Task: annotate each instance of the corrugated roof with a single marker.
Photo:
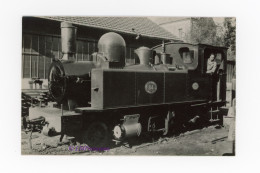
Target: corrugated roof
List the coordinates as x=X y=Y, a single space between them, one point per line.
x=142 y=25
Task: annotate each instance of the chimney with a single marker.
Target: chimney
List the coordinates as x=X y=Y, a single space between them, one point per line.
x=68 y=41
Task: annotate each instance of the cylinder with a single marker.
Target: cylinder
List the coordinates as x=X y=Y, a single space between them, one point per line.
x=127 y=130
x=132 y=130
x=68 y=40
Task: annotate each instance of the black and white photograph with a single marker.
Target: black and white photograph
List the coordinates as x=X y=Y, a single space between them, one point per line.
x=128 y=85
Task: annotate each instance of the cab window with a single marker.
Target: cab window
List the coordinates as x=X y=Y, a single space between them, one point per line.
x=187 y=55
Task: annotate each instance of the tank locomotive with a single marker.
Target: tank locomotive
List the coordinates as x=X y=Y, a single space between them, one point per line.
x=104 y=99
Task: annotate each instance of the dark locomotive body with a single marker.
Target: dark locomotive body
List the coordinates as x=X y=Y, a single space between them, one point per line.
x=110 y=100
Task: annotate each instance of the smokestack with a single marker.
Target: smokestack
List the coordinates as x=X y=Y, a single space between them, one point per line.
x=68 y=41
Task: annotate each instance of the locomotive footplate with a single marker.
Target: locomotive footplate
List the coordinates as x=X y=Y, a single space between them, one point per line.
x=218 y=103
x=173 y=104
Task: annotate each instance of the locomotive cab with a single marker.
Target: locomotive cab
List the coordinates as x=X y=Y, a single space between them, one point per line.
x=180 y=55
x=194 y=58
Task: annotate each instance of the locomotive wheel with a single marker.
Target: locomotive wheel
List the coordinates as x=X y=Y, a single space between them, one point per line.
x=96 y=135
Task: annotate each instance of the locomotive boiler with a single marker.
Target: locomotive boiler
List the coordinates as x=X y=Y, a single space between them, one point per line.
x=106 y=100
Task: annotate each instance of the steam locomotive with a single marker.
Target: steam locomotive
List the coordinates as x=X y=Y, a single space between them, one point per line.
x=104 y=99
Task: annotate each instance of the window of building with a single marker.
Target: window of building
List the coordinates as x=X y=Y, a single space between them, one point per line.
x=39 y=50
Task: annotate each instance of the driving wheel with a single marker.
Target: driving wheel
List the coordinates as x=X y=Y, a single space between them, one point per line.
x=96 y=135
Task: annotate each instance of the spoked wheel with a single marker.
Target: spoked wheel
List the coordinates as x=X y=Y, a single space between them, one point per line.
x=96 y=135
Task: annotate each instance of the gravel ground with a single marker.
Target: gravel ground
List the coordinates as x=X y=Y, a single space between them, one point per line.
x=191 y=143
